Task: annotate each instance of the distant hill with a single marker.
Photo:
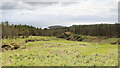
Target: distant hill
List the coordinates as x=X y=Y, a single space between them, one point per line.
x=56 y=27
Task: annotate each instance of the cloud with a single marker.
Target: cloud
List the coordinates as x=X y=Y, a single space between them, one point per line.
x=42 y=0
x=15 y=6
x=50 y=13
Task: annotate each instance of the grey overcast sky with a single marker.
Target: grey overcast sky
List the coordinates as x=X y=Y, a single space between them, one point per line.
x=70 y=12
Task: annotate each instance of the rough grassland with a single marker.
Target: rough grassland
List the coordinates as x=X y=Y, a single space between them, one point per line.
x=60 y=52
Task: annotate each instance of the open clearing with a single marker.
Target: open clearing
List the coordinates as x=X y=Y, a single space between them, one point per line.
x=52 y=51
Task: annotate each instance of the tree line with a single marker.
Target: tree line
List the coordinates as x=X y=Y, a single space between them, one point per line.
x=14 y=31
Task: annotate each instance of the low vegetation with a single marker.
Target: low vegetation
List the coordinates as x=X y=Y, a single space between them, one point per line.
x=52 y=51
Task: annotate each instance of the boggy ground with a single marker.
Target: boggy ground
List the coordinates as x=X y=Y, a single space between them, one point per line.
x=52 y=51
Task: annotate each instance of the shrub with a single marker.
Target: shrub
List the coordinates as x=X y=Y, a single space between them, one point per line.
x=81 y=38
x=76 y=37
x=73 y=37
